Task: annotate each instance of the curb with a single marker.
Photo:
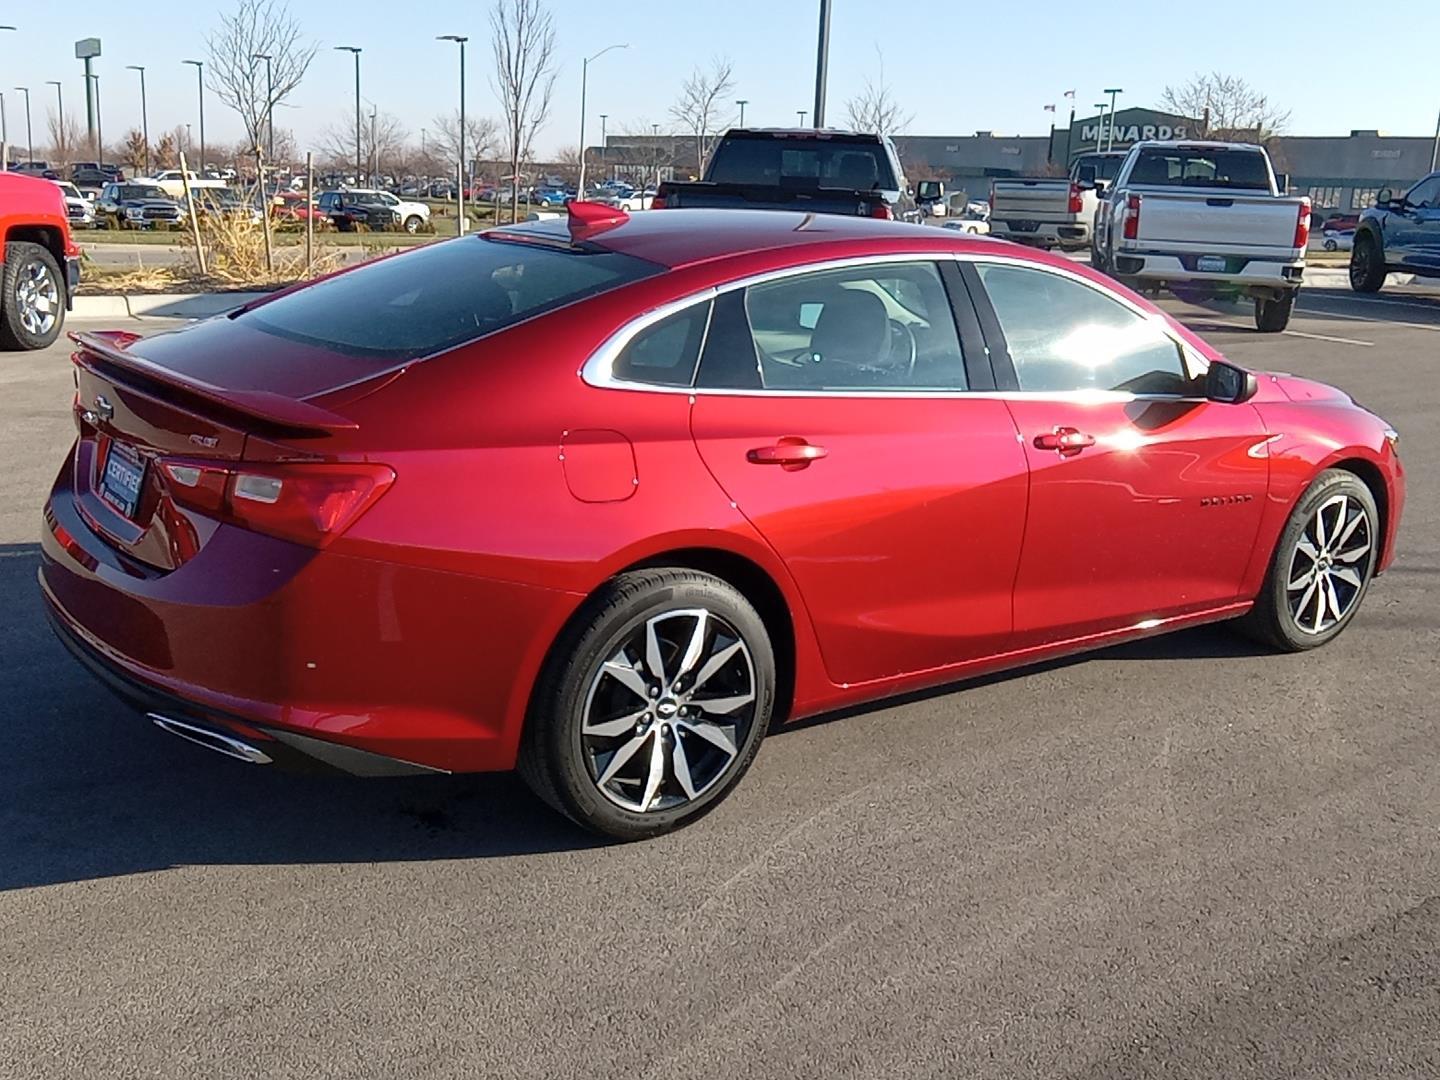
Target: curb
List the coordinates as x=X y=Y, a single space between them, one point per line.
x=159 y=305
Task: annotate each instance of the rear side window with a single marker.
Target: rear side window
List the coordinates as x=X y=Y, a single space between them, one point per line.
x=1202 y=167
x=443 y=295
x=665 y=353
x=1064 y=336
x=802 y=162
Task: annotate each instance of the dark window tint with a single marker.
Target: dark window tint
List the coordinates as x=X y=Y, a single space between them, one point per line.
x=803 y=162
x=1106 y=165
x=1063 y=335
x=1426 y=194
x=885 y=327
x=665 y=353
x=442 y=295
x=1200 y=167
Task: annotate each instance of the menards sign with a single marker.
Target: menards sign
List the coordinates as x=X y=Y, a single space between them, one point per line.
x=1132 y=125
x=1133 y=133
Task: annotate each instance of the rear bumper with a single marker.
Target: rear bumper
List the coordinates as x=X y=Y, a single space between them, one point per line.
x=1047 y=233
x=1242 y=272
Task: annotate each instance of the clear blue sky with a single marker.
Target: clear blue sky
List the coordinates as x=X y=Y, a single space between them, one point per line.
x=957 y=68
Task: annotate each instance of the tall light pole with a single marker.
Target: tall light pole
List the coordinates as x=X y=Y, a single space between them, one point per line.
x=99 y=125
x=29 y=138
x=144 y=114
x=584 y=77
x=200 y=84
x=356 y=51
x=269 y=106
x=4 y=131
x=1110 y=143
x=742 y=103
x=801 y=113
x=1100 y=127
x=822 y=64
x=1435 y=149
x=460 y=40
x=59 y=112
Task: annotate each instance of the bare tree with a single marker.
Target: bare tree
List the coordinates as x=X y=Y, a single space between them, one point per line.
x=167 y=150
x=67 y=138
x=481 y=138
x=132 y=149
x=1229 y=107
x=382 y=142
x=699 y=108
x=257 y=28
x=875 y=108
x=523 y=38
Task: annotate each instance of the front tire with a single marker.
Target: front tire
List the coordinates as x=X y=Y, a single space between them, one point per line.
x=412 y=224
x=652 y=705
x=1273 y=316
x=1367 y=264
x=32 y=297
x=1322 y=566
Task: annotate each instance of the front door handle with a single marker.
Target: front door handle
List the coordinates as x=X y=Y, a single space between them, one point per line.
x=1067 y=440
x=790 y=453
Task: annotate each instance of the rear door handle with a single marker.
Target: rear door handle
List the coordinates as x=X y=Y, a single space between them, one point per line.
x=1067 y=440
x=789 y=453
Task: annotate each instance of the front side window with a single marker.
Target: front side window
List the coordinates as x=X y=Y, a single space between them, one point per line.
x=1064 y=335
x=1425 y=195
x=882 y=327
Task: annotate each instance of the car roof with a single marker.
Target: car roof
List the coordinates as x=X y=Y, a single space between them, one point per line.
x=1196 y=144
x=679 y=238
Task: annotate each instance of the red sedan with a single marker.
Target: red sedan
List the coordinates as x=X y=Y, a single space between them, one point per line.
x=606 y=498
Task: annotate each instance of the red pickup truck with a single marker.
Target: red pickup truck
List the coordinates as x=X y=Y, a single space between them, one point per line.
x=39 y=262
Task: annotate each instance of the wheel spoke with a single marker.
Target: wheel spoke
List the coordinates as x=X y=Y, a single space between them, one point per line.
x=697 y=644
x=607 y=729
x=1307 y=548
x=722 y=706
x=652 y=651
x=681 y=764
x=1347 y=575
x=623 y=755
x=1319 y=607
x=1331 y=598
x=1354 y=555
x=1301 y=581
x=1349 y=531
x=1305 y=599
x=657 y=772
x=1320 y=528
x=712 y=733
x=626 y=675
x=714 y=664
x=1339 y=522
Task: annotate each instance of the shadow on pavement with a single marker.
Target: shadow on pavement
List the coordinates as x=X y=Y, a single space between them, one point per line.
x=90 y=789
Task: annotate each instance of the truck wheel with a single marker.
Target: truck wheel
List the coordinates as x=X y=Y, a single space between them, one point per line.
x=1272 y=316
x=1367 y=265
x=32 y=297
x=412 y=224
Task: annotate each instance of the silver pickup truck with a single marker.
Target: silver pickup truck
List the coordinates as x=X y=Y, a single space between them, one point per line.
x=1204 y=219
x=1052 y=211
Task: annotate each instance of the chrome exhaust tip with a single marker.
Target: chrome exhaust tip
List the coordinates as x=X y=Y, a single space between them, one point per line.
x=211 y=740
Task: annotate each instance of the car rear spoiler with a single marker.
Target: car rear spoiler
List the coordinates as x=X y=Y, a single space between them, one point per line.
x=272 y=410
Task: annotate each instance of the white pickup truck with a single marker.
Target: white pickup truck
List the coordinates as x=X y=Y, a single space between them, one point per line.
x=1204 y=219
x=1052 y=211
x=172 y=182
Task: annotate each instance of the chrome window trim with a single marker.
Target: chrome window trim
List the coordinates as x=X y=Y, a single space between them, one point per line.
x=598 y=368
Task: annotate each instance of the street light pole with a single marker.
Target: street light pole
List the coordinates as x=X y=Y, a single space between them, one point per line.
x=60 y=113
x=269 y=107
x=29 y=138
x=99 y=125
x=584 y=76
x=801 y=113
x=1435 y=149
x=1110 y=142
x=742 y=103
x=460 y=40
x=356 y=51
x=822 y=64
x=200 y=83
x=1100 y=127
x=144 y=114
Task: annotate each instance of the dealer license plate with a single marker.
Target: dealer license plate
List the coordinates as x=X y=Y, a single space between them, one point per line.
x=123 y=478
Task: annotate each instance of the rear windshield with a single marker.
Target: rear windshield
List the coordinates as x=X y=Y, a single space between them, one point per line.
x=1106 y=165
x=443 y=295
x=803 y=161
x=1202 y=167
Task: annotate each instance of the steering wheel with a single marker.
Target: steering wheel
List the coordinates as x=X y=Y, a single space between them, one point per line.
x=904 y=337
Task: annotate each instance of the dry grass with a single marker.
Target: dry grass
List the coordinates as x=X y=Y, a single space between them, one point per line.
x=234 y=248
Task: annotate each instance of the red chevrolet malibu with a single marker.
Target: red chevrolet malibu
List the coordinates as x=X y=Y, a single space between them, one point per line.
x=605 y=498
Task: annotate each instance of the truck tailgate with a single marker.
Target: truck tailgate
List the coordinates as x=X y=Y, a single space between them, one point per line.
x=1030 y=199
x=1218 y=219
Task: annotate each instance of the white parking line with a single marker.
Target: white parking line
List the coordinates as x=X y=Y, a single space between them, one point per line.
x=1327 y=337
x=1372 y=319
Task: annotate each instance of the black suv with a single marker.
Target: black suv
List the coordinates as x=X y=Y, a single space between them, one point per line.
x=349 y=209
x=137 y=206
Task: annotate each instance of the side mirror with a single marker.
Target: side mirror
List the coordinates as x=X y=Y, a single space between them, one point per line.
x=1229 y=384
x=1086 y=176
x=1384 y=197
x=929 y=191
x=1100 y=186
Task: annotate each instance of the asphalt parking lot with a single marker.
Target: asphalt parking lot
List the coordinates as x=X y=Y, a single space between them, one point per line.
x=1180 y=858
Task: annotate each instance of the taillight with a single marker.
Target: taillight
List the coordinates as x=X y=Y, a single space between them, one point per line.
x=1132 y=218
x=310 y=504
x=1302 y=226
x=658 y=203
x=882 y=211
x=1077 y=202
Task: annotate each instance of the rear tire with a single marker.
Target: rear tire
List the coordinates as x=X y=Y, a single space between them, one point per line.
x=1291 y=613
x=1367 y=264
x=1273 y=316
x=32 y=297
x=629 y=752
x=412 y=224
